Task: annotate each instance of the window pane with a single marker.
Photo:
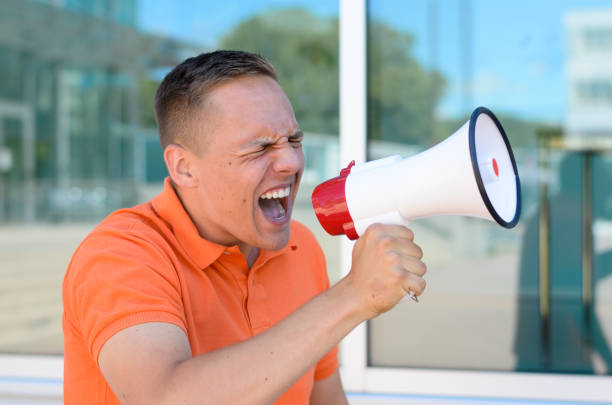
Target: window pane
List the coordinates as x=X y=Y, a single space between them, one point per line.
x=492 y=302
x=77 y=129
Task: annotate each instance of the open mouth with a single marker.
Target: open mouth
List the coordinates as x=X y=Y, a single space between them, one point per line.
x=274 y=203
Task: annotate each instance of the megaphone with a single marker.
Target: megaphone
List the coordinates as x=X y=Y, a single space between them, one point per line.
x=472 y=173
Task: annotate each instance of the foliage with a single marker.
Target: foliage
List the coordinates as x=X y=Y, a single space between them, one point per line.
x=521 y=133
x=402 y=94
x=304 y=50
x=147 y=89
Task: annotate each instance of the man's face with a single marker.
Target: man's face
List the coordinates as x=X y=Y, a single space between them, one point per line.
x=250 y=164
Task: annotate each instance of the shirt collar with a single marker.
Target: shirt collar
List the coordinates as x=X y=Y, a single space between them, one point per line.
x=204 y=252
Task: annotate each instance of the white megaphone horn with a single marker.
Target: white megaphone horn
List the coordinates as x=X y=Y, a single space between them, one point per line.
x=472 y=173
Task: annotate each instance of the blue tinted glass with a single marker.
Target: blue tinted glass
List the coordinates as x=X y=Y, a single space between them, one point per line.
x=78 y=136
x=537 y=297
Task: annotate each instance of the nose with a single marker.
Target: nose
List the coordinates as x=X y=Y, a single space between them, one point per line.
x=288 y=159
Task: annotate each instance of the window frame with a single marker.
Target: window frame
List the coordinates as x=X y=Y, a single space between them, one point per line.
x=31 y=376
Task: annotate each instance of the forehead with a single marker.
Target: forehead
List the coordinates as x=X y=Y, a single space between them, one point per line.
x=249 y=108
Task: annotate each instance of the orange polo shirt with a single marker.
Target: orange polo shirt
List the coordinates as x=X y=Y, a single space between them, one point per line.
x=149 y=264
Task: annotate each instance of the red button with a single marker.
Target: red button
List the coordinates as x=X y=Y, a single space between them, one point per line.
x=495 y=167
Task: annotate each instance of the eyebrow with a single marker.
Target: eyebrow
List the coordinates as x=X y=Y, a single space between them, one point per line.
x=262 y=140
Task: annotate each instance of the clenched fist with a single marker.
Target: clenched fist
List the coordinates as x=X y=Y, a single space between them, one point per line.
x=386 y=266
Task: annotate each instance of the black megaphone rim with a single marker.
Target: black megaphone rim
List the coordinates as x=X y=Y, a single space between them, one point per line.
x=481 y=188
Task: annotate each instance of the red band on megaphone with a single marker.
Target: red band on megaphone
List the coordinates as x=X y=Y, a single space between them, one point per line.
x=329 y=202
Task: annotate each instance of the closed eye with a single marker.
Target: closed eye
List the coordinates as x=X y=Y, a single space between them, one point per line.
x=261 y=145
x=296 y=140
x=262 y=148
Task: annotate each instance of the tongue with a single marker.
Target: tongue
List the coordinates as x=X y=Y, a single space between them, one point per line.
x=271 y=208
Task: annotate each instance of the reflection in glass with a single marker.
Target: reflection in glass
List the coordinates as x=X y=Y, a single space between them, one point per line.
x=78 y=137
x=570 y=338
x=486 y=307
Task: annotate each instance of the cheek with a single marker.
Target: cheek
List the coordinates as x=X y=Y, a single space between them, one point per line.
x=301 y=159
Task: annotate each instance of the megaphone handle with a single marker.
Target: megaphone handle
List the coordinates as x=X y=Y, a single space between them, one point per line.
x=391 y=218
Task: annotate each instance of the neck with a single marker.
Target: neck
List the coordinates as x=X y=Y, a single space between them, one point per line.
x=250 y=253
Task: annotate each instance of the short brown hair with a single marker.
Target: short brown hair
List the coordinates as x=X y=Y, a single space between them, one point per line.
x=186 y=85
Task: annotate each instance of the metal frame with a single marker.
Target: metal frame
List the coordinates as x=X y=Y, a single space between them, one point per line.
x=11 y=110
x=353 y=93
x=31 y=376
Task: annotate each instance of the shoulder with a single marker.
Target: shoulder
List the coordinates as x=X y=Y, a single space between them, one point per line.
x=126 y=228
x=128 y=238
x=125 y=258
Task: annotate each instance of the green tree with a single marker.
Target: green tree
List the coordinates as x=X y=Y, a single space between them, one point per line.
x=521 y=133
x=402 y=95
x=304 y=50
x=146 y=93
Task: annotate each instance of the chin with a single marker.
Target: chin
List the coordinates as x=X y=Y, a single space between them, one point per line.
x=277 y=242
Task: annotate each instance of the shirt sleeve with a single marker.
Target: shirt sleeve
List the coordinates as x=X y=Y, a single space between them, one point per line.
x=118 y=280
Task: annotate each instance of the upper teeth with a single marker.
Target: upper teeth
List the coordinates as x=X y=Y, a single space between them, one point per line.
x=280 y=193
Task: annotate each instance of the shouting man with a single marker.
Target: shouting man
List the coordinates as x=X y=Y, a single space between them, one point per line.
x=209 y=293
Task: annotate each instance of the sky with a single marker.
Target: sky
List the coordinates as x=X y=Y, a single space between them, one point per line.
x=513 y=60
x=517 y=51
x=203 y=22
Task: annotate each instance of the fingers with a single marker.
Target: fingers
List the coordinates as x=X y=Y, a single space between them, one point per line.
x=386 y=266
x=409 y=249
x=404 y=262
x=413 y=265
x=396 y=238
x=385 y=235
x=411 y=271
x=413 y=283
x=395 y=231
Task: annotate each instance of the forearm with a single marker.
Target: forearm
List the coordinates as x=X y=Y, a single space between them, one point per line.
x=260 y=369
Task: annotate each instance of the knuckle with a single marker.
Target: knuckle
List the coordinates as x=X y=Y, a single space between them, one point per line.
x=409 y=233
x=391 y=257
x=374 y=229
x=398 y=275
x=372 y=233
x=385 y=241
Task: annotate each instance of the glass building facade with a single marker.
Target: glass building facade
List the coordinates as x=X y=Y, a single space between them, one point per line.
x=78 y=137
x=535 y=298
x=78 y=140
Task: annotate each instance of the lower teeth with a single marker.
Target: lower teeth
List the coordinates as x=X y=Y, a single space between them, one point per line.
x=280 y=208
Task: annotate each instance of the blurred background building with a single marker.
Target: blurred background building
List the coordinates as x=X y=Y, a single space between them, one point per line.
x=504 y=310
x=589 y=72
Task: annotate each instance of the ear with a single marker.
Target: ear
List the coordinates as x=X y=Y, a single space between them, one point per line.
x=179 y=162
